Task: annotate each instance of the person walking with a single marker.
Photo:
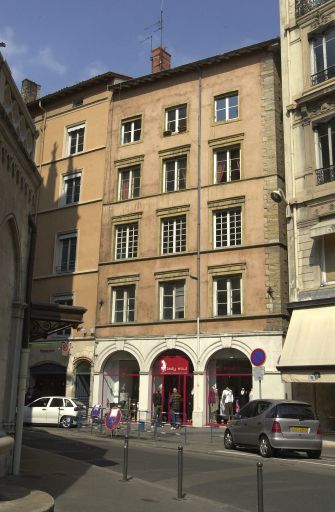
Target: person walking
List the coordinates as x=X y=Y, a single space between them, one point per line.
x=175 y=403
x=157 y=403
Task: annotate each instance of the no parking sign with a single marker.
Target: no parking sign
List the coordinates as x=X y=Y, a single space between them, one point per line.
x=113 y=418
x=258 y=357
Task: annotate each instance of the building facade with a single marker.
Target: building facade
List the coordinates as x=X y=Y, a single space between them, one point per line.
x=308 y=64
x=192 y=267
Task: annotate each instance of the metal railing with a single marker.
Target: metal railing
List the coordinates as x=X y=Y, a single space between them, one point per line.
x=304 y=6
x=323 y=75
x=325 y=175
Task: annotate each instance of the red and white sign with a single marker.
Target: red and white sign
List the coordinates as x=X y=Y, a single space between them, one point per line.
x=65 y=348
x=171 y=365
x=113 y=418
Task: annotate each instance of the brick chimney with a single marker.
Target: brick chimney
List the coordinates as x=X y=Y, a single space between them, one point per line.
x=160 y=60
x=30 y=90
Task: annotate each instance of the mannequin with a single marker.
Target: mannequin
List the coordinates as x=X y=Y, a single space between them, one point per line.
x=213 y=402
x=226 y=405
x=243 y=398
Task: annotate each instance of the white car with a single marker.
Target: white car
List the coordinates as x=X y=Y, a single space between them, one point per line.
x=54 y=410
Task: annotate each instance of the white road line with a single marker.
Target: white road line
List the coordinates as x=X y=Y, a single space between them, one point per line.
x=290 y=461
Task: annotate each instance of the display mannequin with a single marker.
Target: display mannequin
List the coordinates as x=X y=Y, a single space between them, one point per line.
x=213 y=402
x=226 y=404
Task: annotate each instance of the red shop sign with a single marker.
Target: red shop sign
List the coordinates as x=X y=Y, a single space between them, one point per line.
x=173 y=365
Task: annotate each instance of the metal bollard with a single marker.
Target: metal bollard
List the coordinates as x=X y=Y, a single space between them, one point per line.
x=185 y=434
x=180 y=472
x=125 y=459
x=260 y=486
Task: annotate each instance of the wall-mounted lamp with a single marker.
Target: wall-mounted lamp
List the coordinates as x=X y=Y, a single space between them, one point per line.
x=278 y=196
x=82 y=330
x=101 y=302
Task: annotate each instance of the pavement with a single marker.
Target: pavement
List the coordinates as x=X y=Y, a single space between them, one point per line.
x=79 y=485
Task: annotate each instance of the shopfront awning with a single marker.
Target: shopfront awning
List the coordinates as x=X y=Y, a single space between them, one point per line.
x=325 y=227
x=309 y=350
x=48 y=318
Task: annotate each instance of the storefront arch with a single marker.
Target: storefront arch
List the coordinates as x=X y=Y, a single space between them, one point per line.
x=83 y=380
x=229 y=382
x=173 y=369
x=121 y=383
x=47 y=379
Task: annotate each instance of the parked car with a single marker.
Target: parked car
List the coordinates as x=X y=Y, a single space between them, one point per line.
x=54 y=410
x=271 y=425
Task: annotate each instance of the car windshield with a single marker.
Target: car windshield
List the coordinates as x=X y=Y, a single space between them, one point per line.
x=301 y=411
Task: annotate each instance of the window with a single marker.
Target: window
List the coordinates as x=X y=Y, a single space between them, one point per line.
x=323 y=56
x=227 y=228
x=75 y=139
x=123 y=304
x=227 y=296
x=174 y=235
x=227 y=165
x=66 y=257
x=174 y=174
x=126 y=241
x=71 y=188
x=226 y=107
x=172 y=300
x=129 y=183
x=131 y=130
x=328 y=250
x=176 y=119
x=325 y=153
x=56 y=402
x=65 y=300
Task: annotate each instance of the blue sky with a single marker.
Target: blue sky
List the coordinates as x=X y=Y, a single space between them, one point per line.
x=60 y=43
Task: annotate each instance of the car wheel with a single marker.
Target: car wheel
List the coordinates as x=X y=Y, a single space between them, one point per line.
x=228 y=440
x=313 y=454
x=265 y=448
x=65 y=422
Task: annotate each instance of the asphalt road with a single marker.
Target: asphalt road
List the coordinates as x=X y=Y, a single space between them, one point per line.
x=291 y=483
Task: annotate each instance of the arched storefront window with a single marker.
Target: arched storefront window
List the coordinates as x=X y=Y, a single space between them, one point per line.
x=229 y=382
x=173 y=369
x=82 y=382
x=121 y=383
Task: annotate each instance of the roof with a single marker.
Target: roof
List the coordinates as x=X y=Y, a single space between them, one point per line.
x=78 y=87
x=269 y=45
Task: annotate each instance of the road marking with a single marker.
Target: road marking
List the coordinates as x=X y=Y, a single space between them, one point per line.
x=322 y=462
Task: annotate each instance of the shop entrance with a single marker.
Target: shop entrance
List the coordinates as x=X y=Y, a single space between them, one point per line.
x=174 y=370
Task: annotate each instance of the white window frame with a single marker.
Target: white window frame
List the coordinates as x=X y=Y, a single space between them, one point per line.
x=174 y=284
x=324 y=281
x=177 y=170
x=59 y=251
x=125 y=302
x=70 y=130
x=66 y=179
x=229 y=295
x=131 y=240
x=132 y=130
x=175 y=242
x=226 y=98
x=177 y=119
x=229 y=171
x=63 y=299
x=232 y=236
x=131 y=170
x=324 y=52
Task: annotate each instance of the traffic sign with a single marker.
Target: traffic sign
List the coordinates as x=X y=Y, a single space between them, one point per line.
x=258 y=372
x=258 y=357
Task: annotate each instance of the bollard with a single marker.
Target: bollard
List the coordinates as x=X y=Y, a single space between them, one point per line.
x=125 y=459
x=180 y=472
x=185 y=434
x=260 y=486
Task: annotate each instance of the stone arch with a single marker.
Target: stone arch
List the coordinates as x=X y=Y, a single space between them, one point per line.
x=9 y=231
x=221 y=343
x=108 y=351
x=163 y=346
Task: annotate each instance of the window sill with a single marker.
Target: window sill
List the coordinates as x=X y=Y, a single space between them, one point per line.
x=126 y=144
x=228 y=121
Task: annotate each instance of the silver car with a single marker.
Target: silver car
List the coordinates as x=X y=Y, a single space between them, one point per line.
x=270 y=425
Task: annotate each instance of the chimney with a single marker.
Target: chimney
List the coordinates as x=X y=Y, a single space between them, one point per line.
x=160 y=60
x=30 y=90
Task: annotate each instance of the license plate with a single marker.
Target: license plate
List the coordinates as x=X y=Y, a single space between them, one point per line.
x=299 y=429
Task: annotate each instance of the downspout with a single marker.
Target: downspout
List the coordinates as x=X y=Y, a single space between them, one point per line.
x=41 y=151
x=24 y=359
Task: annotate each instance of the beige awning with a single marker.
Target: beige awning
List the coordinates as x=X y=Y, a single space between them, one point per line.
x=325 y=227
x=309 y=348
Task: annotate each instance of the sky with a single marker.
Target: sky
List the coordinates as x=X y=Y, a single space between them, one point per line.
x=57 y=44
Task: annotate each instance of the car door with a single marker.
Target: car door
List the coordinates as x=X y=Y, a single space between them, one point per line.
x=55 y=410
x=36 y=412
x=255 y=423
x=240 y=424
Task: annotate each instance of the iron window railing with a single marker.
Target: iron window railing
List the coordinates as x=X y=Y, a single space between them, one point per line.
x=325 y=175
x=323 y=75
x=304 y=6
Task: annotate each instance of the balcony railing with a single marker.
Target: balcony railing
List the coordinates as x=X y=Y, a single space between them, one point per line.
x=323 y=75
x=304 y=6
x=325 y=175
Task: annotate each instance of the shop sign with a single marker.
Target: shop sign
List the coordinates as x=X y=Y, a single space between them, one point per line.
x=43 y=350
x=170 y=365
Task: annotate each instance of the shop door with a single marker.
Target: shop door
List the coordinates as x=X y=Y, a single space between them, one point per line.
x=184 y=385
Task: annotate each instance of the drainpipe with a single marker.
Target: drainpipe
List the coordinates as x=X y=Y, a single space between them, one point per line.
x=24 y=358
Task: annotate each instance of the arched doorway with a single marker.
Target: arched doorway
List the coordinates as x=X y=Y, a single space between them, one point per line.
x=173 y=369
x=82 y=382
x=229 y=382
x=48 y=379
x=121 y=383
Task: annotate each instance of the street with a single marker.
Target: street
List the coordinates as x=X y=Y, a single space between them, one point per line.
x=211 y=473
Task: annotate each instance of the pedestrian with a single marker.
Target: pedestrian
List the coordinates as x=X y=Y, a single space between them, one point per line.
x=157 y=403
x=175 y=404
